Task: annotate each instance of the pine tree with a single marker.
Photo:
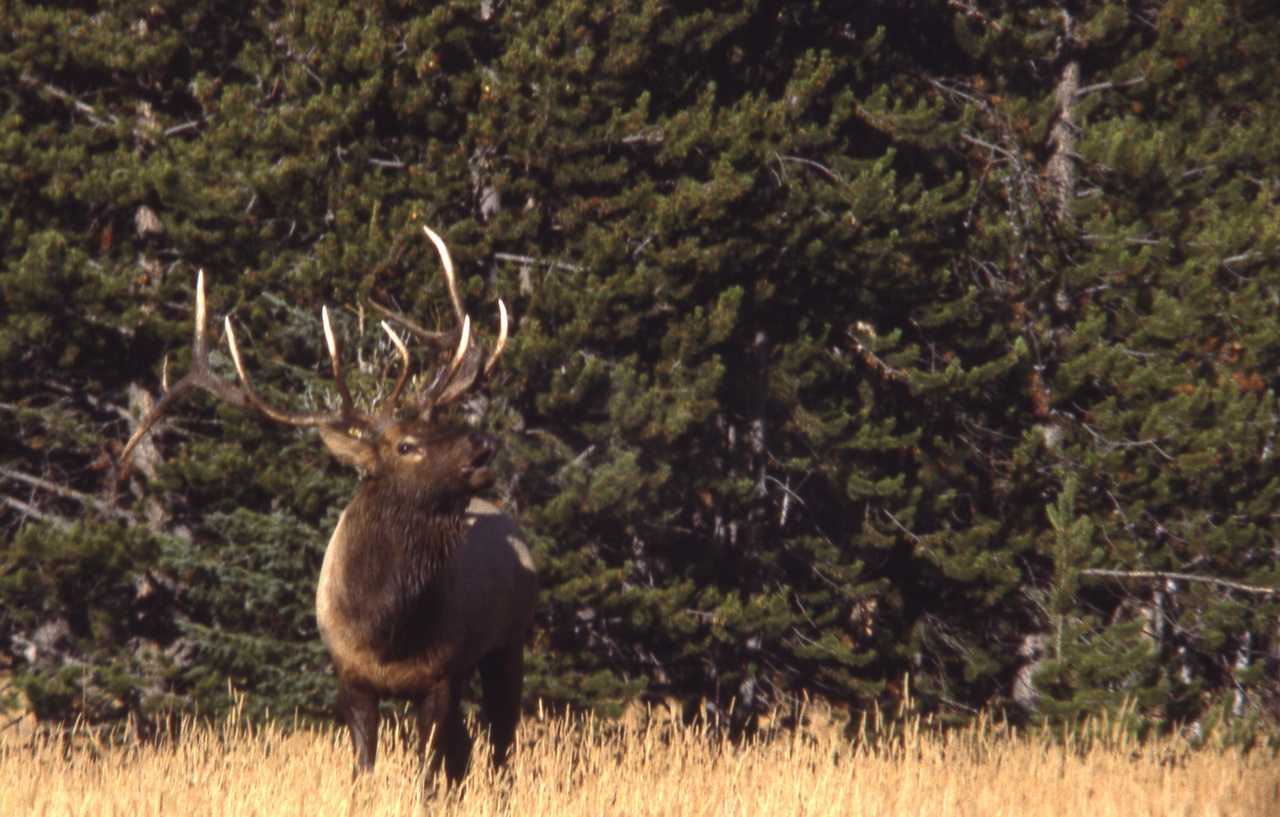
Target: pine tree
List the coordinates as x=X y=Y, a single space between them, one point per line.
x=1112 y=166
x=1090 y=664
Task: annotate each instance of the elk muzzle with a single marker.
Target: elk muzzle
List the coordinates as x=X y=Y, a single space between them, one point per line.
x=479 y=474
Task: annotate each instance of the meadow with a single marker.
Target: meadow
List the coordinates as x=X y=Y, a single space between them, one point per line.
x=648 y=766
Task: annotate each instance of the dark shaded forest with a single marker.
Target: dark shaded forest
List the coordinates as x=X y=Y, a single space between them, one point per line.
x=864 y=351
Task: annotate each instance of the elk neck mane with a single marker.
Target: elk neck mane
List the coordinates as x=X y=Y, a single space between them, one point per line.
x=406 y=540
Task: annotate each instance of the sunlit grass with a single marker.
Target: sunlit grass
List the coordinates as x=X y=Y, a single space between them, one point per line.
x=646 y=766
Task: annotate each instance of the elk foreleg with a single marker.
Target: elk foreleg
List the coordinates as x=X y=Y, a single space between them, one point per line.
x=360 y=710
x=442 y=733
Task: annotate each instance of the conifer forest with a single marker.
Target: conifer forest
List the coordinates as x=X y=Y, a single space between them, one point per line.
x=901 y=354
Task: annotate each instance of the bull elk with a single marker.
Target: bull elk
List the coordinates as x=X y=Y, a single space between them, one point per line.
x=422 y=582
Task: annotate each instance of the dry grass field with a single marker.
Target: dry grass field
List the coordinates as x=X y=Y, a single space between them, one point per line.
x=646 y=766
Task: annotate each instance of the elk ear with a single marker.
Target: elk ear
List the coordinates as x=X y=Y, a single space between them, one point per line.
x=349 y=450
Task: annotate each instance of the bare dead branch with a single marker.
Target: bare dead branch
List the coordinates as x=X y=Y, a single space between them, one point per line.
x=66 y=493
x=530 y=261
x=821 y=168
x=82 y=108
x=37 y=514
x=1166 y=575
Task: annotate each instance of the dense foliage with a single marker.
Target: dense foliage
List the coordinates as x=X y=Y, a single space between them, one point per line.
x=858 y=344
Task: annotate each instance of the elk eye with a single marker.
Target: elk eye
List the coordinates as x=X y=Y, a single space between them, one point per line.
x=403 y=449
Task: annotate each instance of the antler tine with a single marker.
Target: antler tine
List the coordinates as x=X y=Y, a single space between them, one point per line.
x=445 y=375
x=348 y=405
x=437 y=341
x=464 y=367
x=201 y=341
x=394 y=399
x=502 y=339
x=447 y=261
x=244 y=395
x=301 y=419
x=201 y=376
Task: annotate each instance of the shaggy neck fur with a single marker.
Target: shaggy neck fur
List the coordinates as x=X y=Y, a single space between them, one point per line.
x=398 y=544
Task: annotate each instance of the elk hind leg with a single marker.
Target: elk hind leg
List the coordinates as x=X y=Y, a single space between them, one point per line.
x=502 y=681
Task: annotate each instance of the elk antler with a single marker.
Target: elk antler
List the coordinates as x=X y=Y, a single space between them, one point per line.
x=347 y=415
x=464 y=370
x=450 y=382
x=203 y=376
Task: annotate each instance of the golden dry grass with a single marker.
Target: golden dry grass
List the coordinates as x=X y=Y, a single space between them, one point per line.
x=648 y=767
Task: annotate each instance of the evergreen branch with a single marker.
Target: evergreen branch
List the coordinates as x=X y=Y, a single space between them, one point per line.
x=971 y=10
x=1255 y=589
x=869 y=357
